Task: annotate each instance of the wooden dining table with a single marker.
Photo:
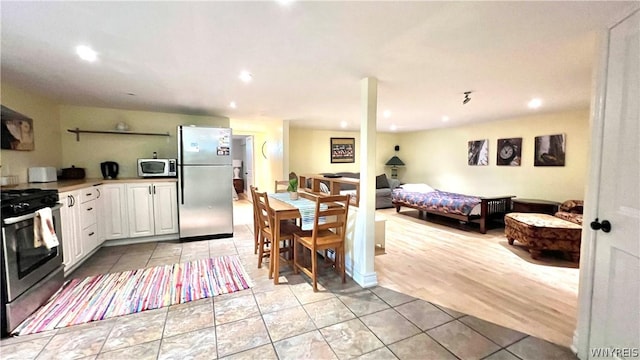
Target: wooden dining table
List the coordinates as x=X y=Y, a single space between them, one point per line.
x=284 y=209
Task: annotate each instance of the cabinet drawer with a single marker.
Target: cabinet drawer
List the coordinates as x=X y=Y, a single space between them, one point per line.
x=88 y=194
x=88 y=214
x=90 y=235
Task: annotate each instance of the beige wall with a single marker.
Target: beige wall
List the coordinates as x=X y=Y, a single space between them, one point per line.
x=439 y=158
x=92 y=149
x=309 y=151
x=46 y=130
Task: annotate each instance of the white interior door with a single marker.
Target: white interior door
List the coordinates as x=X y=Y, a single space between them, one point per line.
x=248 y=161
x=615 y=306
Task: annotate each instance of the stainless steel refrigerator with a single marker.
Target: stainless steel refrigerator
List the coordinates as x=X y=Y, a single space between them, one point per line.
x=205 y=182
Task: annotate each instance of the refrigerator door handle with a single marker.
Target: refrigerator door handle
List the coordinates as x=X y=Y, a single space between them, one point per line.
x=182 y=185
x=181 y=175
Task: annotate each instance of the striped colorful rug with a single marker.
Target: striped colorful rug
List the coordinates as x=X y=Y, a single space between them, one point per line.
x=109 y=295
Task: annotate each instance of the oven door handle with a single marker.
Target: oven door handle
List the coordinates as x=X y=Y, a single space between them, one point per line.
x=17 y=219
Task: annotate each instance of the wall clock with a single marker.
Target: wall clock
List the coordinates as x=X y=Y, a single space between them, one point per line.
x=509 y=151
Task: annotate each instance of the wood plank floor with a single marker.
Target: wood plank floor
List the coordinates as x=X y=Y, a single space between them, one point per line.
x=480 y=275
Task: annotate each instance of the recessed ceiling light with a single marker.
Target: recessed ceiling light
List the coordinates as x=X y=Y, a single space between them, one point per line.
x=232 y=105
x=393 y=127
x=284 y=2
x=86 y=53
x=386 y=113
x=445 y=118
x=245 y=76
x=535 y=103
x=343 y=124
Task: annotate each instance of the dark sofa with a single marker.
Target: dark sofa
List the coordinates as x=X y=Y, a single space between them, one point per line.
x=384 y=185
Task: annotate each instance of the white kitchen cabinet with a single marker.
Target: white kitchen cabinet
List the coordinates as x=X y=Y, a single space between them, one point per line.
x=152 y=208
x=114 y=218
x=72 y=247
x=100 y=214
x=89 y=219
x=165 y=208
x=140 y=207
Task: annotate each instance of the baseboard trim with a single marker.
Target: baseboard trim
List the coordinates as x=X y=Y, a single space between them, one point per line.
x=365 y=280
x=140 y=240
x=574 y=344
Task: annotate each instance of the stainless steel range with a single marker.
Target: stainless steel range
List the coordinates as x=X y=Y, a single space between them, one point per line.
x=30 y=274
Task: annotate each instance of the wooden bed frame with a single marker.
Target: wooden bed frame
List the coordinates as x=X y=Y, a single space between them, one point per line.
x=490 y=208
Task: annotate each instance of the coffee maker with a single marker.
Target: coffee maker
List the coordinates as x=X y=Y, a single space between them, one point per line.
x=109 y=170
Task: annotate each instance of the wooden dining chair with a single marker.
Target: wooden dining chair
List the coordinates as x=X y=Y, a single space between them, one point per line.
x=329 y=230
x=262 y=219
x=267 y=246
x=256 y=219
x=281 y=186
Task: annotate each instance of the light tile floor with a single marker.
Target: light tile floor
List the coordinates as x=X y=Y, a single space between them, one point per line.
x=286 y=321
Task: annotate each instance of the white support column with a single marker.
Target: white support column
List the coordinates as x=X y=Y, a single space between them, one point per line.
x=363 y=246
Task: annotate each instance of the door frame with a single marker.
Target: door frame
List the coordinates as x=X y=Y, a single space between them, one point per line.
x=250 y=154
x=246 y=154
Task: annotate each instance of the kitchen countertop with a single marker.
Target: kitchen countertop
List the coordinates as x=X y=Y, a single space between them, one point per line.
x=70 y=185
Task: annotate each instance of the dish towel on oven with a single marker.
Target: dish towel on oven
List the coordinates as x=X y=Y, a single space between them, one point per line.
x=43 y=231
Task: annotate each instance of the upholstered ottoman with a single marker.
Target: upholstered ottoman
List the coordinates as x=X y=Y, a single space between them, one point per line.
x=543 y=232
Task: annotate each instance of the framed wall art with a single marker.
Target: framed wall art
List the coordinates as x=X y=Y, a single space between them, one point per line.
x=509 y=152
x=343 y=150
x=478 y=152
x=17 y=130
x=550 y=150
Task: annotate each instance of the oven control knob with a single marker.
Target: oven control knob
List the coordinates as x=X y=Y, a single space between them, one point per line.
x=49 y=200
x=19 y=207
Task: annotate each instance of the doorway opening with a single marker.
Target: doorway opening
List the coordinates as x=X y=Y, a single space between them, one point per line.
x=243 y=165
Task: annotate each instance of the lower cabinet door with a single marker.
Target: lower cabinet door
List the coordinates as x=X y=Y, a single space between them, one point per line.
x=165 y=208
x=115 y=221
x=72 y=246
x=140 y=209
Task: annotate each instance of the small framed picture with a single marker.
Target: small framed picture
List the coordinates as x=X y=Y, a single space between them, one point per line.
x=550 y=150
x=343 y=150
x=17 y=131
x=478 y=152
x=509 y=152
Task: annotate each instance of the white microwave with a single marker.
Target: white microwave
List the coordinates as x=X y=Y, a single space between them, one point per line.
x=157 y=167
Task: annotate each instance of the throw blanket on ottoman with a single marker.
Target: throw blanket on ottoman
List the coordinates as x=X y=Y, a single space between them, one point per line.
x=543 y=232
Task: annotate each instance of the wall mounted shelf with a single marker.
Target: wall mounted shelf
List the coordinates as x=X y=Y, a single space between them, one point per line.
x=115 y=132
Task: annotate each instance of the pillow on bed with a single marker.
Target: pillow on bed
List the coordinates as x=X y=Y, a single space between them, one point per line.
x=324 y=188
x=421 y=188
x=381 y=181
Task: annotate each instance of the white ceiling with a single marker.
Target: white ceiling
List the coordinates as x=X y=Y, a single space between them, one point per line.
x=308 y=58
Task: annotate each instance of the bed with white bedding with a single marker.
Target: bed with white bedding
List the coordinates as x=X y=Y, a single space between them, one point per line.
x=453 y=205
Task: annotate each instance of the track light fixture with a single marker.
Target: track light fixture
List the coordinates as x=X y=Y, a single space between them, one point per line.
x=466 y=97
